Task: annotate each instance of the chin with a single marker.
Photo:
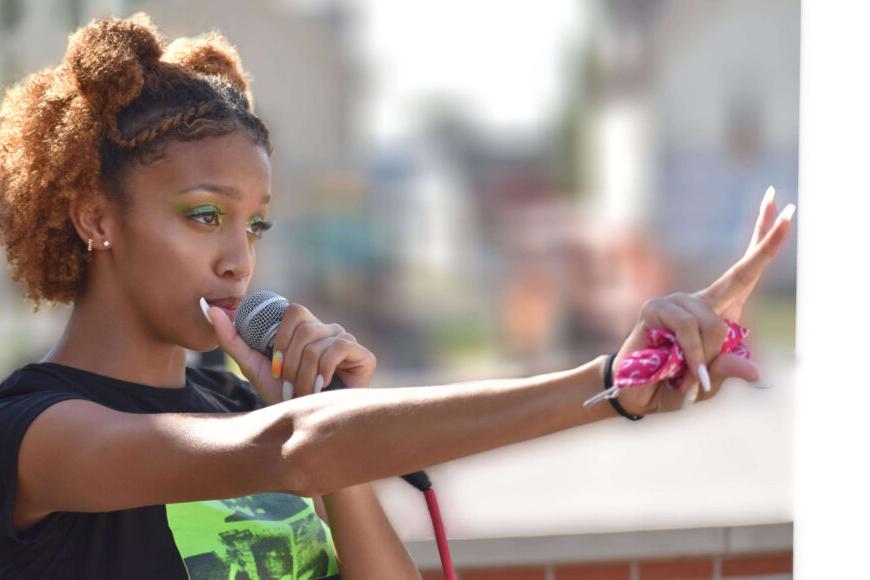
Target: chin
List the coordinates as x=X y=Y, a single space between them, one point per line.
x=201 y=342
x=204 y=346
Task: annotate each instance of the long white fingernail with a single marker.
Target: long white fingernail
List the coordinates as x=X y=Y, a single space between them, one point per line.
x=318 y=383
x=787 y=212
x=759 y=384
x=204 y=306
x=768 y=196
x=691 y=395
x=704 y=376
x=287 y=391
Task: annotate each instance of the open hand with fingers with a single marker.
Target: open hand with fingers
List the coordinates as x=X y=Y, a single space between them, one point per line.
x=698 y=321
x=307 y=353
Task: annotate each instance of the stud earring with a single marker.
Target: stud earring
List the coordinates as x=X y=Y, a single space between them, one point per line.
x=106 y=243
x=90 y=245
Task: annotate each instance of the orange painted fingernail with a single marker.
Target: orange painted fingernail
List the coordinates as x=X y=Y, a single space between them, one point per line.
x=277 y=363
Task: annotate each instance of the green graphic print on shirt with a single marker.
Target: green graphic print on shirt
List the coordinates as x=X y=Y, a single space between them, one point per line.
x=256 y=537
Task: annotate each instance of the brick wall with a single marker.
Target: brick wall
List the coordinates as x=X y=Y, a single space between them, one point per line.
x=760 y=566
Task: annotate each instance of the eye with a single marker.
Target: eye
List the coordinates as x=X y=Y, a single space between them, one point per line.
x=210 y=215
x=257 y=227
x=210 y=218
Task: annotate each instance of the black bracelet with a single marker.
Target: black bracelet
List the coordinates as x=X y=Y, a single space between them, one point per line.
x=608 y=382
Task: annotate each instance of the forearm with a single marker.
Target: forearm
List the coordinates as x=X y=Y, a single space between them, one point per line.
x=365 y=542
x=351 y=436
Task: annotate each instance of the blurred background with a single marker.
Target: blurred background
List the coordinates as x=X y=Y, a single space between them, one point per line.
x=489 y=189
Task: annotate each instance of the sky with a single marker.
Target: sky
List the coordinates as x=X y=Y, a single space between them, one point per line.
x=504 y=61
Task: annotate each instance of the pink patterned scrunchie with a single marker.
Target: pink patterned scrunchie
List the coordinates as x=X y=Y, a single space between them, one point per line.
x=664 y=360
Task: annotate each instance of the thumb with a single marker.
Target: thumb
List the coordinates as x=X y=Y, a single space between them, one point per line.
x=732 y=365
x=231 y=341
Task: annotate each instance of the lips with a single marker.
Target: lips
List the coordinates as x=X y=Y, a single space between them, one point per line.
x=228 y=305
x=231 y=312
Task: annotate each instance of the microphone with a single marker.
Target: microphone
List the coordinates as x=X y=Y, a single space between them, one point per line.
x=257 y=319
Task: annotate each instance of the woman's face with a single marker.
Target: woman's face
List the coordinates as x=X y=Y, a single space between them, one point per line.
x=191 y=231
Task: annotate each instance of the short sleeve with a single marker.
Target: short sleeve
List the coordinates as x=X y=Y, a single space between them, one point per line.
x=17 y=412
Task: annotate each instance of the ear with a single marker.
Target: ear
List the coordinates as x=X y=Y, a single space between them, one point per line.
x=94 y=218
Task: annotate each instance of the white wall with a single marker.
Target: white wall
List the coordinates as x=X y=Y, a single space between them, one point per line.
x=832 y=506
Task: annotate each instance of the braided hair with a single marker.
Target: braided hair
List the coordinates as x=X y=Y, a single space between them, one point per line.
x=71 y=131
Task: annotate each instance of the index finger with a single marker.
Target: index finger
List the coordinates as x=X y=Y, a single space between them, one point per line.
x=740 y=279
x=294 y=315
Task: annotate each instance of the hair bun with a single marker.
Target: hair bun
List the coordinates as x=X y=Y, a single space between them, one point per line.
x=108 y=59
x=210 y=54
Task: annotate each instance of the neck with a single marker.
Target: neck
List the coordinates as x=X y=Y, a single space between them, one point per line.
x=104 y=335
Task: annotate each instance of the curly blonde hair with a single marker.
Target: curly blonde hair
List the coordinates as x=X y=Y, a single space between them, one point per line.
x=69 y=133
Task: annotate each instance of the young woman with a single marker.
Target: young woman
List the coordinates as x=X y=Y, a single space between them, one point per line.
x=135 y=181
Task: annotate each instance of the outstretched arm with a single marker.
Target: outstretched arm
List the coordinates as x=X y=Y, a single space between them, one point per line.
x=347 y=437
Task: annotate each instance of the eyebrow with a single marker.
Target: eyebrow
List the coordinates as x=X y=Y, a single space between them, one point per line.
x=219 y=189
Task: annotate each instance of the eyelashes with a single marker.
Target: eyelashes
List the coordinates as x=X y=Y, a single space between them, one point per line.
x=213 y=216
x=263 y=225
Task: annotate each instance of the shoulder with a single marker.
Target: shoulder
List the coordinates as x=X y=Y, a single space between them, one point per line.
x=27 y=387
x=22 y=399
x=24 y=394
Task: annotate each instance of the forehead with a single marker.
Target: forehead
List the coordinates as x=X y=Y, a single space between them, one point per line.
x=233 y=160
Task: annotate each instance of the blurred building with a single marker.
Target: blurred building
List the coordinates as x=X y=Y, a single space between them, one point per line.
x=684 y=113
x=695 y=114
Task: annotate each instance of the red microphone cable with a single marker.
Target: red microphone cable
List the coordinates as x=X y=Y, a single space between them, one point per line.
x=440 y=537
x=421 y=481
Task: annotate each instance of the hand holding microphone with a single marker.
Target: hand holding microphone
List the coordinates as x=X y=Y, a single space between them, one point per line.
x=266 y=324
x=285 y=351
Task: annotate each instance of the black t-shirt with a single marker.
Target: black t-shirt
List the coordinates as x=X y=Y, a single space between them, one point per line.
x=267 y=535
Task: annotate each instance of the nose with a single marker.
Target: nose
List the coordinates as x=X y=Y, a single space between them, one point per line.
x=237 y=257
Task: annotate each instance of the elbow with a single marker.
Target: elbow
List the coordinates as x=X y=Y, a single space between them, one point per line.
x=292 y=436
x=315 y=462
x=298 y=469
x=306 y=470
x=317 y=458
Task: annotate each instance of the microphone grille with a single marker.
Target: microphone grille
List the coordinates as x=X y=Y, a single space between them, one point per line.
x=258 y=316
